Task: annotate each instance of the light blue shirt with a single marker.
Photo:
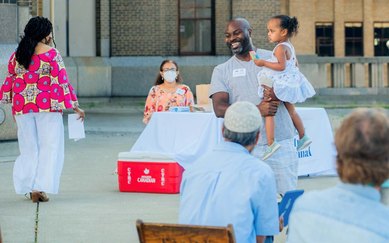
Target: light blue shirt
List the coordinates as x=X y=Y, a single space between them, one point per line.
x=230 y=186
x=345 y=213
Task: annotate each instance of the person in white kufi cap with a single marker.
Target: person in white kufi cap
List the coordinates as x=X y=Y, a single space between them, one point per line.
x=242 y=117
x=228 y=185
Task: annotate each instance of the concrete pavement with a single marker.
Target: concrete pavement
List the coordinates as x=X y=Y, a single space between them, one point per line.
x=89 y=207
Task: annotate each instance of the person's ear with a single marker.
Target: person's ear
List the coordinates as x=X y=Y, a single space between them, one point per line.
x=47 y=40
x=284 y=32
x=250 y=30
x=161 y=74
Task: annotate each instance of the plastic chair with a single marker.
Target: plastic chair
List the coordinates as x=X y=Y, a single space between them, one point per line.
x=202 y=97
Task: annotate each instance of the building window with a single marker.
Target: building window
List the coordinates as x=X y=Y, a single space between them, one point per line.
x=354 y=39
x=381 y=39
x=196 y=27
x=324 y=39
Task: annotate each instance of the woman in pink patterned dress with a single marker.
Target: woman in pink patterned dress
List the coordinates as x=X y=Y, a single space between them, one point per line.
x=168 y=91
x=37 y=85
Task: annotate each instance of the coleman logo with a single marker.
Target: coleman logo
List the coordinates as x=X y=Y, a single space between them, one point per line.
x=146 y=171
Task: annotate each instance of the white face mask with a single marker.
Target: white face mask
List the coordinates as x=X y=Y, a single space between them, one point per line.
x=170 y=76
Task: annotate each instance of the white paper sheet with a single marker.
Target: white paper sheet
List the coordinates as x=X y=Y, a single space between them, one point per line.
x=75 y=127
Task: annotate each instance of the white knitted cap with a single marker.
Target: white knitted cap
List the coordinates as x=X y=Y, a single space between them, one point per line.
x=242 y=117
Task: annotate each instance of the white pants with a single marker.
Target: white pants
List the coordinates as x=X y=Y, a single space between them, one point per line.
x=41 y=145
x=284 y=164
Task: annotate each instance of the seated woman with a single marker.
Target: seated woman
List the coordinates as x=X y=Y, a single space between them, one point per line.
x=168 y=91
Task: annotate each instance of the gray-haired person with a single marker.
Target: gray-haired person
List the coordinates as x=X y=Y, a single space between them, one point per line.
x=228 y=185
x=351 y=211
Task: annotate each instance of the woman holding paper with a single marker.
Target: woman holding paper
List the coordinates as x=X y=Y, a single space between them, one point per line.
x=168 y=91
x=37 y=85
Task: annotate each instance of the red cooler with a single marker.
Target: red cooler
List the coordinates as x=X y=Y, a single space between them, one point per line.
x=148 y=172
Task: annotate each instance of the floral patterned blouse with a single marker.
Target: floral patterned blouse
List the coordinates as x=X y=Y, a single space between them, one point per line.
x=44 y=87
x=160 y=100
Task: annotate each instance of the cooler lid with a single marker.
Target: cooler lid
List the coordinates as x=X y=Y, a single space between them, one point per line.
x=146 y=156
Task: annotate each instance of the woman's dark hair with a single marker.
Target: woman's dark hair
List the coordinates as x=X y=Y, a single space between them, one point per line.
x=36 y=29
x=289 y=23
x=159 y=79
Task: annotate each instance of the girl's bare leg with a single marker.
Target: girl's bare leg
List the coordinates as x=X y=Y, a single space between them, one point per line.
x=269 y=127
x=297 y=122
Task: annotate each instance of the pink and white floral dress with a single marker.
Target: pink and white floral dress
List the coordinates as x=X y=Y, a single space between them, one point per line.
x=44 y=87
x=160 y=100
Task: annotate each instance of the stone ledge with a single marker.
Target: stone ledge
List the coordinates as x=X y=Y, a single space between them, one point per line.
x=8 y=128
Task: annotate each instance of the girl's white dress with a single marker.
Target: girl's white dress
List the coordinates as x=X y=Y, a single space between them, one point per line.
x=289 y=85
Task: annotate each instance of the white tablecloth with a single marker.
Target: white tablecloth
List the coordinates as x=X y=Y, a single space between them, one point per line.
x=182 y=135
x=319 y=157
x=185 y=136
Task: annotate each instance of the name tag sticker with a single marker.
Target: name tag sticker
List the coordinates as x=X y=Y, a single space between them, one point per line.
x=240 y=72
x=180 y=91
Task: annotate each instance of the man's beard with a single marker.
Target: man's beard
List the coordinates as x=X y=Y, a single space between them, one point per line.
x=243 y=48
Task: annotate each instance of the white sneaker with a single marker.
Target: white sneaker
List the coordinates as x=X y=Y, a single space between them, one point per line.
x=303 y=143
x=271 y=150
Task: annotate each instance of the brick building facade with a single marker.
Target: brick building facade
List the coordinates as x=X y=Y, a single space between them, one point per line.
x=338 y=28
x=368 y=19
x=151 y=28
x=114 y=47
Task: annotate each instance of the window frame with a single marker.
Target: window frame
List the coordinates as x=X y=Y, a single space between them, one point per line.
x=317 y=42
x=380 y=25
x=353 y=38
x=196 y=19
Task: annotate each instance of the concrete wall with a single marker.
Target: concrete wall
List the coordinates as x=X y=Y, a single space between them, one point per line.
x=134 y=76
x=59 y=22
x=8 y=128
x=8 y=24
x=82 y=27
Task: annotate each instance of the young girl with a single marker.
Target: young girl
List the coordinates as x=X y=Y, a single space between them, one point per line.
x=281 y=72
